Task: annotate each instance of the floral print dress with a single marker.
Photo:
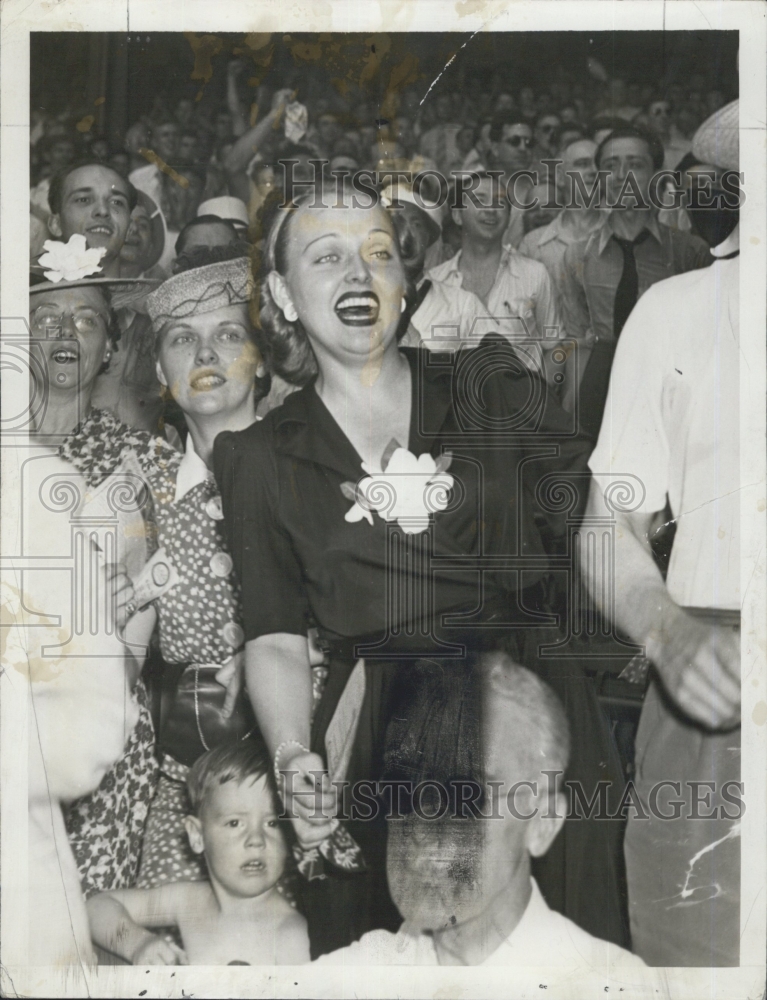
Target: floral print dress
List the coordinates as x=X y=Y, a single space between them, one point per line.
x=106 y=828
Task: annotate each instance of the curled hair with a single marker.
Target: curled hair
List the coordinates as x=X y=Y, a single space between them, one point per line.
x=235 y=761
x=283 y=344
x=56 y=189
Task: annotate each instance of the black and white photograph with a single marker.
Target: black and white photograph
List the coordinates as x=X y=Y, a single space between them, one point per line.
x=384 y=510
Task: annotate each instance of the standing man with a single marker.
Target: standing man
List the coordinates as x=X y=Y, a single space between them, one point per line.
x=488 y=286
x=672 y=423
x=94 y=200
x=574 y=223
x=511 y=151
x=606 y=273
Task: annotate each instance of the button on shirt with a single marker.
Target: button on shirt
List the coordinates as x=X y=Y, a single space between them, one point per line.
x=671 y=420
x=521 y=306
x=593 y=267
x=542 y=937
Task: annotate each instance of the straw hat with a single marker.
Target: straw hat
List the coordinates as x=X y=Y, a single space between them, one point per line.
x=74 y=264
x=201 y=290
x=226 y=207
x=717 y=140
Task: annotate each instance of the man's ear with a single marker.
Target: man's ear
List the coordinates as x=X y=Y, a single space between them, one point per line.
x=457 y=216
x=160 y=374
x=54 y=225
x=194 y=833
x=546 y=824
x=280 y=292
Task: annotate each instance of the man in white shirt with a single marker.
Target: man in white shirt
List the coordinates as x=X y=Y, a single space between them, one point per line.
x=463 y=885
x=671 y=423
x=489 y=287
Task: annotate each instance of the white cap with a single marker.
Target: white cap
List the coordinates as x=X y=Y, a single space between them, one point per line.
x=403 y=193
x=226 y=207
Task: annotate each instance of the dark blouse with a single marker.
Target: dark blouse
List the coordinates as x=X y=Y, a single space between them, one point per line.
x=301 y=563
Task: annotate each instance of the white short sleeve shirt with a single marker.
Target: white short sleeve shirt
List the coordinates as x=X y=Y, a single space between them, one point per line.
x=671 y=421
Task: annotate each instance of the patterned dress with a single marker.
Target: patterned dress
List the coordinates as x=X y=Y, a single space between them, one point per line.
x=199 y=623
x=106 y=828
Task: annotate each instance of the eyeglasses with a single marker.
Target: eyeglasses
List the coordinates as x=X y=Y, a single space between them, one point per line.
x=50 y=324
x=519 y=140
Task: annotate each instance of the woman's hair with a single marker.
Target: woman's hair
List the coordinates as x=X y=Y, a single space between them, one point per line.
x=284 y=345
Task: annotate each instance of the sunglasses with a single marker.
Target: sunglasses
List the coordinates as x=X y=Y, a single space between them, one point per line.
x=519 y=140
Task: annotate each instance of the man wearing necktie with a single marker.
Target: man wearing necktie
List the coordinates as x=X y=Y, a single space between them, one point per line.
x=605 y=273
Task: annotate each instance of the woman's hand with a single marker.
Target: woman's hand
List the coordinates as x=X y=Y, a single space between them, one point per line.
x=155 y=950
x=120 y=593
x=230 y=677
x=309 y=797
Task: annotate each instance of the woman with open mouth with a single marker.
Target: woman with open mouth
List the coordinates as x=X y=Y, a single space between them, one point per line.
x=73 y=336
x=394 y=487
x=208 y=363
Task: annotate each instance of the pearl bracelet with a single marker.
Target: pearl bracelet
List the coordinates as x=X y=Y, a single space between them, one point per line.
x=278 y=751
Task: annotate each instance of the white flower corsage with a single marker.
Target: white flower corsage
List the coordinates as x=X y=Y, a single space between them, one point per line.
x=70 y=261
x=407 y=491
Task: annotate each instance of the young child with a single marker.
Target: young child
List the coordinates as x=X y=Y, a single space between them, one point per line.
x=239 y=916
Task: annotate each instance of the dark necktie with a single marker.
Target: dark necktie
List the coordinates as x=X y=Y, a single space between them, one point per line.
x=627 y=292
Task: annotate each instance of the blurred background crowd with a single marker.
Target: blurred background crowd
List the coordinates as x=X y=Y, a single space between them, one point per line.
x=212 y=107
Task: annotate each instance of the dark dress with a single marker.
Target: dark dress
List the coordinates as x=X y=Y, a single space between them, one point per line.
x=474 y=580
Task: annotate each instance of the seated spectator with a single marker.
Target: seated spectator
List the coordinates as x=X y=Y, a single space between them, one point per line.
x=201 y=234
x=232 y=210
x=675 y=145
x=544 y=135
x=238 y=916
x=463 y=885
x=440 y=142
x=187 y=147
x=59 y=152
x=144 y=241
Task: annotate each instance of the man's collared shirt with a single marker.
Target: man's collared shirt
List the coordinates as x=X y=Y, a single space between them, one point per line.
x=593 y=267
x=521 y=306
x=542 y=937
x=548 y=245
x=671 y=421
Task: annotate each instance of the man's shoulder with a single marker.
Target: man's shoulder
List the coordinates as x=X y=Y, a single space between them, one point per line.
x=594 y=951
x=384 y=948
x=522 y=264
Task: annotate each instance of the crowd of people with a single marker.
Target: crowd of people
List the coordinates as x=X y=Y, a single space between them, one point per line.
x=343 y=413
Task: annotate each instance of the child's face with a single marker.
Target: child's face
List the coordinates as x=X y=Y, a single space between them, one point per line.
x=237 y=829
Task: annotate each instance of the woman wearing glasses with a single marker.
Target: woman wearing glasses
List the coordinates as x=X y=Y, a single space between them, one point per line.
x=73 y=338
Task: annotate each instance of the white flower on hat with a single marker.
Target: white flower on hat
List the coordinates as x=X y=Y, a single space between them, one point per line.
x=70 y=261
x=408 y=491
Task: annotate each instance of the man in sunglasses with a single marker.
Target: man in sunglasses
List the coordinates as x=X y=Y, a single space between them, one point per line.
x=511 y=150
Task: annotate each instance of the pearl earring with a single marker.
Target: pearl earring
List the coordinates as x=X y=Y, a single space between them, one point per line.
x=260 y=370
x=290 y=313
x=403 y=306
